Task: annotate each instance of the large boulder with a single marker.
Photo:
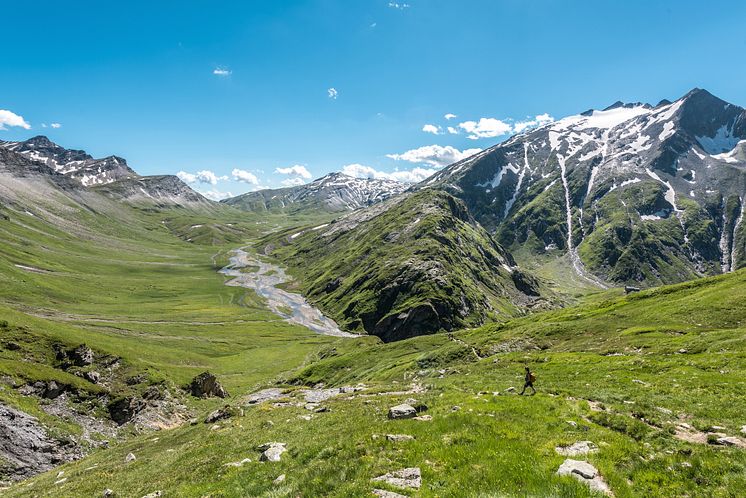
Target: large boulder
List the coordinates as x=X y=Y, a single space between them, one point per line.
x=206 y=385
x=402 y=411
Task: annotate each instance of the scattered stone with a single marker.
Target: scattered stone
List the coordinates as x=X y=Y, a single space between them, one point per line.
x=92 y=377
x=455 y=408
x=130 y=457
x=399 y=437
x=579 y=448
x=305 y=417
x=264 y=395
x=125 y=409
x=387 y=494
x=310 y=406
x=271 y=452
x=206 y=385
x=729 y=441
x=424 y=418
x=154 y=494
x=223 y=413
x=280 y=479
x=237 y=464
x=402 y=411
x=572 y=423
x=638 y=381
x=321 y=409
x=108 y=492
x=511 y=389
x=61 y=481
x=743 y=430
x=60 y=474
x=404 y=478
x=585 y=473
x=81 y=356
x=53 y=390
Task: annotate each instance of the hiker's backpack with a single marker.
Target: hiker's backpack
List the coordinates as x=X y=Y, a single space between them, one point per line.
x=532 y=377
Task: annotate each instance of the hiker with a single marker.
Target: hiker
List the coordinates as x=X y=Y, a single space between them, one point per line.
x=530 y=379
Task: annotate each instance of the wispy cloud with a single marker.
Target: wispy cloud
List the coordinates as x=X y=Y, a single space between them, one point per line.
x=539 y=120
x=332 y=93
x=8 y=118
x=56 y=125
x=450 y=116
x=430 y=128
x=292 y=182
x=204 y=176
x=297 y=170
x=399 y=6
x=216 y=195
x=414 y=175
x=241 y=175
x=222 y=71
x=485 y=128
x=434 y=155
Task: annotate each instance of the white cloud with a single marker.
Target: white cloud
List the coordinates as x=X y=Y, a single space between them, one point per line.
x=374 y=25
x=435 y=130
x=186 y=177
x=332 y=93
x=8 y=118
x=292 y=182
x=452 y=130
x=400 y=6
x=221 y=71
x=539 y=120
x=297 y=170
x=414 y=175
x=204 y=176
x=485 y=128
x=450 y=116
x=216 y=195
x=434 y=155
x=56 y=125
x=244 y=176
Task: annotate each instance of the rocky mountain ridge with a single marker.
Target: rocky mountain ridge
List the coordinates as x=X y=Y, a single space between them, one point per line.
x=632 y=193
x=335 y=192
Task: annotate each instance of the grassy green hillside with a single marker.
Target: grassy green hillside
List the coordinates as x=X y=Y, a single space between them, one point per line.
x=621 y=371
x=419 y=266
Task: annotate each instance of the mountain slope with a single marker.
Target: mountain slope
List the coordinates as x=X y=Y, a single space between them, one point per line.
x=415 y=265
x=335 y=192
x=633 y=193
x=111 y=175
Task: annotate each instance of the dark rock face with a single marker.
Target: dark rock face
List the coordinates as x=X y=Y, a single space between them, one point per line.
x=206 y=385
x=27 y=447
x=125 y=409
x=81 y=356
x=223 y=413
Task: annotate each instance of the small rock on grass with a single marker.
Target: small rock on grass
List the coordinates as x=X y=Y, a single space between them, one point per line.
x=130 y=457
x=399 y=437
x=585 y=473
x=154 y=494
x=240 y=463
x=108 y=492
x=579 y=448
x=424 y=418
x=387 y=494
x=404 y=478
x=271 y=452
x=280 y=479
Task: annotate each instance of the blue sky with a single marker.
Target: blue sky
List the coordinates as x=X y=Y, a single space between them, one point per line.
x=241 y=90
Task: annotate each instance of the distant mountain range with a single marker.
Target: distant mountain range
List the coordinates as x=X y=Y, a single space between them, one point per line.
x=335 y=192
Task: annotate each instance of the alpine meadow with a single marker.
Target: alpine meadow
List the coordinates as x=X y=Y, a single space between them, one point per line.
x=327 y=249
